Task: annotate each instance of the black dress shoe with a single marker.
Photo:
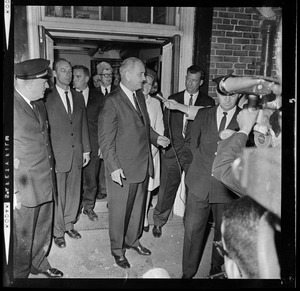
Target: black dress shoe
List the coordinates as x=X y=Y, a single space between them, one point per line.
x=215 y=270
x=156 y=231
x=53 y=273
x=185 y=277
x=121 y=261
x=60 y=242
x=91 y=214
x=139 y=249
x=146 y=228
x=72 y=233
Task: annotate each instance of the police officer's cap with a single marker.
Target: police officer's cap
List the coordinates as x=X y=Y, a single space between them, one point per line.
x=33 y=69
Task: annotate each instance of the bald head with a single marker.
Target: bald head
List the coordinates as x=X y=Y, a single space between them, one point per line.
x=132 y=72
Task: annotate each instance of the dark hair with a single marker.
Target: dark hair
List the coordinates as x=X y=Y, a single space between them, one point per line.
x=194 y=69
x=86 y=71
x=240 y=221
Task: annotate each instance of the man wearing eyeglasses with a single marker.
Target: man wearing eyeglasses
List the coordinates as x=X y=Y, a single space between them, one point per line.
x=105 y=73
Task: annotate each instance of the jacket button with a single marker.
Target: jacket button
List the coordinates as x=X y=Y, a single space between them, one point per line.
x=212 y=174
x=216 y=153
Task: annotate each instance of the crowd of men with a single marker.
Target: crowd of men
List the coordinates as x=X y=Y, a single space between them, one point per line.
x=75 y=142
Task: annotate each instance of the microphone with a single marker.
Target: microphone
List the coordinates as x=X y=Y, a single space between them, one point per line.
x=160 y=96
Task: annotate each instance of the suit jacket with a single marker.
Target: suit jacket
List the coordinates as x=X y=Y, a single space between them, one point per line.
x=93 y=107
x=260 y=170
x=228 y=150
x=173 y=122
x=204 y=143
x=69 y=138
x=101 y=95
x=124 y=138
x=34 y=177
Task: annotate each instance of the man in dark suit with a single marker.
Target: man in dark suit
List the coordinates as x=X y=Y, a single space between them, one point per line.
x=105 y=77
x=124 y=139
x=178 y=157
x=206 y=193
x=34 y=177
x=93 y=103
x=71 y=147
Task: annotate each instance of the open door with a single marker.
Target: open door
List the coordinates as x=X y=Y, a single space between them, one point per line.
x=169 y=60
x=46 y=44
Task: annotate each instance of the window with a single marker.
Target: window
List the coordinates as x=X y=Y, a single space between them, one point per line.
x=153 y=15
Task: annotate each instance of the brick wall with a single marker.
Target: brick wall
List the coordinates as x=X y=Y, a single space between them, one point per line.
x=236 y=44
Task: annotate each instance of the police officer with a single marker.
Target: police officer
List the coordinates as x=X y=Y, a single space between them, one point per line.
x=34 y=177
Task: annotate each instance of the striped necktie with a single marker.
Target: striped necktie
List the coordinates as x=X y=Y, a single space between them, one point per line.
x=186 y=121
x=68 y=104
x=137 y=107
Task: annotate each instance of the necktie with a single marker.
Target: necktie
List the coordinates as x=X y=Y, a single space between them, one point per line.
x=68 y=104
x=186 y=121
x=223 y=122
x=137 y=106
x=106 y=92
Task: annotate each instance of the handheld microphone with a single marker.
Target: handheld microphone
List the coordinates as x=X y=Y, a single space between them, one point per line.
x=160 y=96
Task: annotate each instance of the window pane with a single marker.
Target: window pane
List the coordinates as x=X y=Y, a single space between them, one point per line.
x=139 y=14
x=111 y=13
x=164 y=15
x=89 y=12
x=58 y=11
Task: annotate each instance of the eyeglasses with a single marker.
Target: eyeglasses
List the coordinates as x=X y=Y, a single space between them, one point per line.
x=107 y=75
x=219 y=246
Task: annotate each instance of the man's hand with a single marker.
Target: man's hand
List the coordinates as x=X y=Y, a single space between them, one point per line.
x=163 y=141
x=246 y=119
x=86 y=159
x=117 y=176
x=174 y=105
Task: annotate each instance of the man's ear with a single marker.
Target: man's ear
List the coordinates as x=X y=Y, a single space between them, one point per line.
x=232 y=269
x=128 y=75
x=268 y=262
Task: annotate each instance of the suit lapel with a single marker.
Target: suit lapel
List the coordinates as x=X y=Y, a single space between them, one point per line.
x=233 y=123
x=25 y=106
x=128 y=102
x=59 y=103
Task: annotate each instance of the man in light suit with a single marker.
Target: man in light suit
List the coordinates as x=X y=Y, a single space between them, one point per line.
x=71 y=147
x=93 y=103
x=124 y=139
x=34 y=177
x=205 y=193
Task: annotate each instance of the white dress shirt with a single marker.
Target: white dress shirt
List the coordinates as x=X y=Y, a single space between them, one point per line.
x=62 y=95
x=129 y=94
x=229 y=115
